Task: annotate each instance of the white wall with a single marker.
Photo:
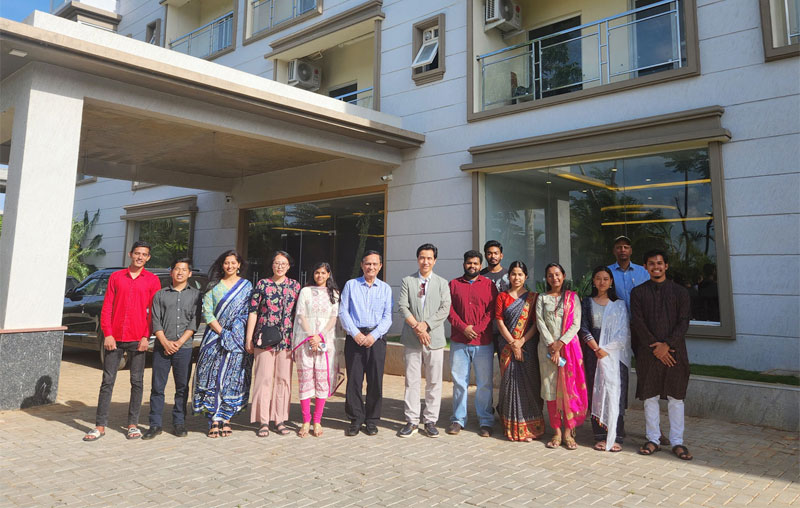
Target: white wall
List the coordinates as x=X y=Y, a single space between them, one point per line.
x=430 y=199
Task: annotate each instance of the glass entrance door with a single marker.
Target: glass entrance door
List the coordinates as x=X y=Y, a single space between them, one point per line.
x=338 y=231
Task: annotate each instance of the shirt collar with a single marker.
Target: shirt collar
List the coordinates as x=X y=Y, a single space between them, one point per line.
x=419 y=275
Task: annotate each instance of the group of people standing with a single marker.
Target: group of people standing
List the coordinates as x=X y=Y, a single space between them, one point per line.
x=556 y=352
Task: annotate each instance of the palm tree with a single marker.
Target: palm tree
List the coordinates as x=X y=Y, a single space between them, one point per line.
x=77 y=266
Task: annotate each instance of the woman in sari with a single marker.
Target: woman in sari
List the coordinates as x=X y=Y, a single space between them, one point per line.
x=314 y=347
x=520 y=405
x=222 y=379
x=558 y=318
x=606 y=341
x=271 y=307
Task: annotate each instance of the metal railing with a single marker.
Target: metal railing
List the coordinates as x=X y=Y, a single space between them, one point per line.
x=270 y=13
x=208 y=39
x=353 y=97
x=792 y=32
x=616 y=48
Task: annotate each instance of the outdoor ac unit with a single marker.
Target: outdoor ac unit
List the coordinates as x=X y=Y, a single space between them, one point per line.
x=504 y=15
x=303 y=74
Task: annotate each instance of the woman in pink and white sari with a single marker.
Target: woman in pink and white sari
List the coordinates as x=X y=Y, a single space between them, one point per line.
x=314 y=345
x=558 y=318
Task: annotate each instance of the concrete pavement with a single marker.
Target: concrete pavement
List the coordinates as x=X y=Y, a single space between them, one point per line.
x=45 y=463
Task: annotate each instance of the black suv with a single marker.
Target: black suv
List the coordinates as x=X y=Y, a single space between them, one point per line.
x=82 y=306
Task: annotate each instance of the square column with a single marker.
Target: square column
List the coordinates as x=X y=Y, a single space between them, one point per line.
x=34 y=243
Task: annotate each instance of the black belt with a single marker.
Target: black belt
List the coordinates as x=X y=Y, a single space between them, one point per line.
x=366 y=330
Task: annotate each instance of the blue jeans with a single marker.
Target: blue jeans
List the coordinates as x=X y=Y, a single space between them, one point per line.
x=181 y=364
x=462 y=356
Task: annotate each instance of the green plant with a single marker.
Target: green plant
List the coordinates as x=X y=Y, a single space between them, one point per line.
x=77 y=266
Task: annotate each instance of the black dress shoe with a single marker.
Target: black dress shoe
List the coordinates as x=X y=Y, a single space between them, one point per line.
x=485 y=431
x=180 y=431
x=430 y=430
x=151 y=432
x=352 y=430
x=371 y=430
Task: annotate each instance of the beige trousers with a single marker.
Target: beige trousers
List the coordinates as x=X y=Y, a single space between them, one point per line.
x=432 y=361
x=272 y=386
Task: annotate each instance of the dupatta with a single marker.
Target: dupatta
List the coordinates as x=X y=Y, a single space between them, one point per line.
x=571 y=398
x=615 y=339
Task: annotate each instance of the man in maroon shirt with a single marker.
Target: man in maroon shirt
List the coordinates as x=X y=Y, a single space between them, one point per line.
x=125 y=321
x=471 y=344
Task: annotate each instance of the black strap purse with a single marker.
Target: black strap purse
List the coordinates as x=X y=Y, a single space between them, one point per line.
x=270 y=336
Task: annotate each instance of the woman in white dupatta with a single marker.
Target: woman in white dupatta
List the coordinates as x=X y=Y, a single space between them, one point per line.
x=606 y=339
x=314 y=344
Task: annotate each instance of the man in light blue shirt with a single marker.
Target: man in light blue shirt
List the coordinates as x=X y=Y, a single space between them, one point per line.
x=627 y=275
x=365 y=312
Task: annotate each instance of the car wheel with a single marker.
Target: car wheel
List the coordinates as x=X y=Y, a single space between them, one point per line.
x=123 y=360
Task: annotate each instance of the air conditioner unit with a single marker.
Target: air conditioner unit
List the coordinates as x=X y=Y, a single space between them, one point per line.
x=505 y=15
x=303 y=74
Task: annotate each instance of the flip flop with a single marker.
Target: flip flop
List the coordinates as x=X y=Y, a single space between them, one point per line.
x=649 y=448
x=93 y=435
x=134 y=433
x=682 y=452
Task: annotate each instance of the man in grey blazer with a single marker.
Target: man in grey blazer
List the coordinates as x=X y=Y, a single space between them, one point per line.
x=424 y=304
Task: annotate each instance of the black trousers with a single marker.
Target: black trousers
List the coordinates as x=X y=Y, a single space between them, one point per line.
x=361 y=361
x=181 y=364
x=110 y=367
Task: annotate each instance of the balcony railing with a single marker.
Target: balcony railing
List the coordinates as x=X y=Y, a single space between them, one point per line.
x=624 y=46
x=359 y=97
x=268 y=14
x=208 y=39
x=791 y=11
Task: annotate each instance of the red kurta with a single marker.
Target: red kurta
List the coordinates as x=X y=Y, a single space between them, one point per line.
x=126 y=307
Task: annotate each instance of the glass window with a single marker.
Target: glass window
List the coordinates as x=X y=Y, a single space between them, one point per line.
x=93 y=286
x=338 y=231
x=168 y=238
x=571 y=214
x=267 y=14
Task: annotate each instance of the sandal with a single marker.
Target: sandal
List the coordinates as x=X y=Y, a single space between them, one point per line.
x=134 y=433
x=93 y=435
x=569 y=443
x=303 y=432
x=600 y=446
x=263 y=431
x=682 y=452
x=318 y=430
x=213 y=431
x=649 y=448
x=555 y=442
x=281 y=429
x=226 y=430
x=616 y=447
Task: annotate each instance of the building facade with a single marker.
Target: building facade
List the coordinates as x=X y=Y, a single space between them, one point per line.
x=552 y=126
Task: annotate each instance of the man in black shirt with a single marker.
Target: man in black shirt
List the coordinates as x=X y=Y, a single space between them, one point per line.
x=494 y=271
x=176 y=317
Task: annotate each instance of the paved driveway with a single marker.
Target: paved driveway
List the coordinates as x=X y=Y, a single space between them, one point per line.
x=45 y=463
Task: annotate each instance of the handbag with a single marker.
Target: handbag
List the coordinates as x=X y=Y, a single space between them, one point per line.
x=270 y=336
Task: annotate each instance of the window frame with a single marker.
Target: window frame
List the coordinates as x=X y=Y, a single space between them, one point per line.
x=422 y=77
x=153 y=29
x=701 y=128
x=162 y=209
x=691 y=69
x=771 y=52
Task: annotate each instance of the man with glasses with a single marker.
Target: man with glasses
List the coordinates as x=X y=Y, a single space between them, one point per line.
x=424 y=304
x=176 y=316
x=365 y=312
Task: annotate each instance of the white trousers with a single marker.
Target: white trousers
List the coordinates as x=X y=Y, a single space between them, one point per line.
x=652 y=420
x=432 y=360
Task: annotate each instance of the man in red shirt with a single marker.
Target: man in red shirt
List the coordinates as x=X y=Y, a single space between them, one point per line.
x=473 y=298
x=125 y=321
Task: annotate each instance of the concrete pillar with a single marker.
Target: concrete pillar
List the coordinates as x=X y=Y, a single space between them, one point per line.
x=34 y=243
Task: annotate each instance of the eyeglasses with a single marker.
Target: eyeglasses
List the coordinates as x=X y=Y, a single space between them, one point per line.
x=422 y=288
x=280 y=265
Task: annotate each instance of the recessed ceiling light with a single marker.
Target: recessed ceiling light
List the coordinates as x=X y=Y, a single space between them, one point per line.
x=548 y=182
x=18 y=52
x=380 y=141
x=613 y=170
